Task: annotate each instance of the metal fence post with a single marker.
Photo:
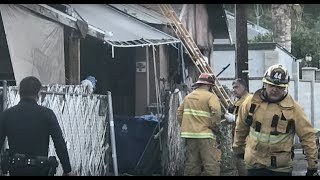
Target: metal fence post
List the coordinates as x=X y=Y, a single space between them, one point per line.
x=112 y=134
x=4 y=105
x=4 y=95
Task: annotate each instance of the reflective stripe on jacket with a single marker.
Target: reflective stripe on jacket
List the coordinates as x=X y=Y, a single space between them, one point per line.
x=267 y=142
x=268 y=138
x=199 y=112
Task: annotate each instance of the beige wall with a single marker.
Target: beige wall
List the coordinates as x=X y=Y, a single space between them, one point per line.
x=141 y=99
x=145 y=81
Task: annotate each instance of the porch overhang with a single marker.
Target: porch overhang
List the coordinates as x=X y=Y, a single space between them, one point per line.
x=125 y=31
x=107 y=24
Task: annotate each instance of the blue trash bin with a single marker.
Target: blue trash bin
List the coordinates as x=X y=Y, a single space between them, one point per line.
x=132 y=135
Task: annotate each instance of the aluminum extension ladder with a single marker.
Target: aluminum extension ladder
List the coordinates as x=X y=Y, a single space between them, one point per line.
x=194 y=53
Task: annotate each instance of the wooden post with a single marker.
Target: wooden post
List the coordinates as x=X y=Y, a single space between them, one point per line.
x=73 y=59
x=242 y=43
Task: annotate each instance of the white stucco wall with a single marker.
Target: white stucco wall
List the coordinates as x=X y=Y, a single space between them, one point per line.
x=305 y=97
x=257 y=65
x=317 y=105
x=286 y=60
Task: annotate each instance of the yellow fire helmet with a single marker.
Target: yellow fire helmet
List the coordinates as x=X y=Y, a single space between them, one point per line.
x=277 y=75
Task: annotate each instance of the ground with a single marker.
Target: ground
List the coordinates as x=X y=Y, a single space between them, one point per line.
x=299 y=164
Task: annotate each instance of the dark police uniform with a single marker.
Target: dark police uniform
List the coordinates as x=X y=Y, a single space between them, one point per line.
x=28 y=127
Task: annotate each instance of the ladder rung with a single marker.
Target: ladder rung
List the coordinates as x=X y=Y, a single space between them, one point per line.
x=194 y=52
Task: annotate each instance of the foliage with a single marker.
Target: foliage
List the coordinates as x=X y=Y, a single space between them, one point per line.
x=252 y=13
x=264 y=13
x=262 y=38
x=305 y=34
x=311 y=15
x=306 y=41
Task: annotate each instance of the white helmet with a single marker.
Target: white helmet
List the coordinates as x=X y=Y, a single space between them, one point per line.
x=277 y=75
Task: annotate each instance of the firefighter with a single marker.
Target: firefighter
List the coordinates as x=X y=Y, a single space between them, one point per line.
x=198 y=115
x=240 y=91
x=28 y=127
x=266 y=125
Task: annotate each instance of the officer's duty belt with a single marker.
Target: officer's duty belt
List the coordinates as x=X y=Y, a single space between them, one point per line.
x=21 y=160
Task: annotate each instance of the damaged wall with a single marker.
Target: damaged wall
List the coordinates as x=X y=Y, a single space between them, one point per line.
x=196 y=22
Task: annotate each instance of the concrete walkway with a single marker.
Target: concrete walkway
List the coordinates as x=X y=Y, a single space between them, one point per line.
x=299 y=164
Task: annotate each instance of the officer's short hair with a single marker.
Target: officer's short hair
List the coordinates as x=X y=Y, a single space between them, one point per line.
x=29 y=87
x=241 y=81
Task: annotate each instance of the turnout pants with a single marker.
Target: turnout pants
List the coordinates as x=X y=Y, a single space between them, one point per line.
x=241 y=166
x=202 y=157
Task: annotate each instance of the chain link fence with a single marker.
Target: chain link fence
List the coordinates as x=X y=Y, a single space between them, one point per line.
x=173 y=153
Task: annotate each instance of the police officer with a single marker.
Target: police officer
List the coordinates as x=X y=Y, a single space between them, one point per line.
x=199 y=113
x=28 y=127
x=240 y=91
x=266 y=126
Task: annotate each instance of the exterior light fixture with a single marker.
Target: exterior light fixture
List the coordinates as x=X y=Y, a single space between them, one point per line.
x=308 y=58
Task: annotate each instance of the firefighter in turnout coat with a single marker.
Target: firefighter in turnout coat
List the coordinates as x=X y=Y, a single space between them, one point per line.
x=198 y=115
x=266 y=126
x=240 y=91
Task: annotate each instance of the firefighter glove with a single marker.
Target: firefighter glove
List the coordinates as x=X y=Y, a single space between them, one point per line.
x=229 y=117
